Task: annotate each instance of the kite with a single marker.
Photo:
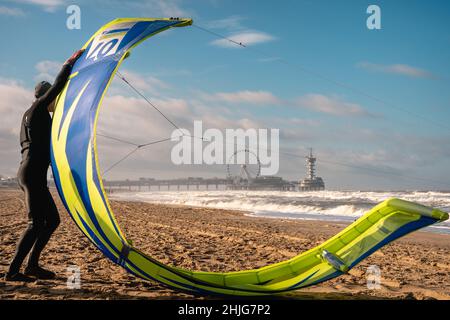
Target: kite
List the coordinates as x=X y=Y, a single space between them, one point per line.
x=78 y=179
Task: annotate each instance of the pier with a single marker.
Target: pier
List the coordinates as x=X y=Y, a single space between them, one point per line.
x=148 y=184
x=198 y=183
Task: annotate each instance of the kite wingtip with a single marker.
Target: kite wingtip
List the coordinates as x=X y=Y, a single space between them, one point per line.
x=417 y=208
x=184 y=21
x=440 y=215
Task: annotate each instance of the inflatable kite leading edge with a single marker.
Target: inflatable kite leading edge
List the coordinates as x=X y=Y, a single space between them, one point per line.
x=77 y=177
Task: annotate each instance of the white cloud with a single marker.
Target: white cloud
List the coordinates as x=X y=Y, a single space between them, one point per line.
x=47 y=70
x=172 y=105
x=7 y=11
x=132 y=119
x=145 y=83
x=240 y=34
x=129 y=118
x=47 y=5
x=14 y=100
x=400 y=69
x=301 y=122
x=246 y=96
x=230 y=23
x=246 y=38
x=48 y=66
x=135 y=119
x=170 y=8
x=152 y=8
x=330 y=105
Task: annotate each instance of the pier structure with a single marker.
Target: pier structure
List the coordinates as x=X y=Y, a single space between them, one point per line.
x=311 y=182
x=198 y=183
x=247 y=176
x=269 y=183
x=147 y=184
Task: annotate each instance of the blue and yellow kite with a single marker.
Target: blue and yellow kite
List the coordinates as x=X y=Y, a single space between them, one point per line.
x=77 y=177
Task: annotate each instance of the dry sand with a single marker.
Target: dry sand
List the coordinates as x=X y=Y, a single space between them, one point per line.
x=414 y=267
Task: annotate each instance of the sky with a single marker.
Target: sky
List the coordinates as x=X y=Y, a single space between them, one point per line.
x=374 y=104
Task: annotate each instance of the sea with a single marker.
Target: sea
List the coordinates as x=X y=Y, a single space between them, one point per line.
x=344 y=206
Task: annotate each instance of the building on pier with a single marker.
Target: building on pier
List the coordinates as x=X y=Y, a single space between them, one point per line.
x=311 y=182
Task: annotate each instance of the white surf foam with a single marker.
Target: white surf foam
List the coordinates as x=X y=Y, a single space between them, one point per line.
x=335 y=205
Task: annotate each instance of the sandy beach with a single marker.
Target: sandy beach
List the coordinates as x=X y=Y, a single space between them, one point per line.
x=414 y=267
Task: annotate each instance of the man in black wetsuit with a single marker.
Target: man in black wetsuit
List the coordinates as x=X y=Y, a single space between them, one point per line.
x=43 y=218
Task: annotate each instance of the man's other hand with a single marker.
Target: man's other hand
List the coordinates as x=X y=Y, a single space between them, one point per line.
x=74 y=57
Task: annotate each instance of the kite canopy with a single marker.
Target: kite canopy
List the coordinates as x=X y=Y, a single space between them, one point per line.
x=77 y=177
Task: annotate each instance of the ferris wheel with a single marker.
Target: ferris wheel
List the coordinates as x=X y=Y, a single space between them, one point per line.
x=245 y=172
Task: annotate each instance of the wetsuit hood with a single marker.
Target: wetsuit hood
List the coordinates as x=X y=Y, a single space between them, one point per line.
x=41 y=88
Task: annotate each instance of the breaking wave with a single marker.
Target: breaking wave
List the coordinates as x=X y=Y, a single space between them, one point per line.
x=320 y=205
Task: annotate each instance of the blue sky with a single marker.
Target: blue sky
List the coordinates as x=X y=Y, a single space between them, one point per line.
x=195 y=76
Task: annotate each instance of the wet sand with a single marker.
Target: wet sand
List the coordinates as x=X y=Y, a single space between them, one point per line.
x=414 y=267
